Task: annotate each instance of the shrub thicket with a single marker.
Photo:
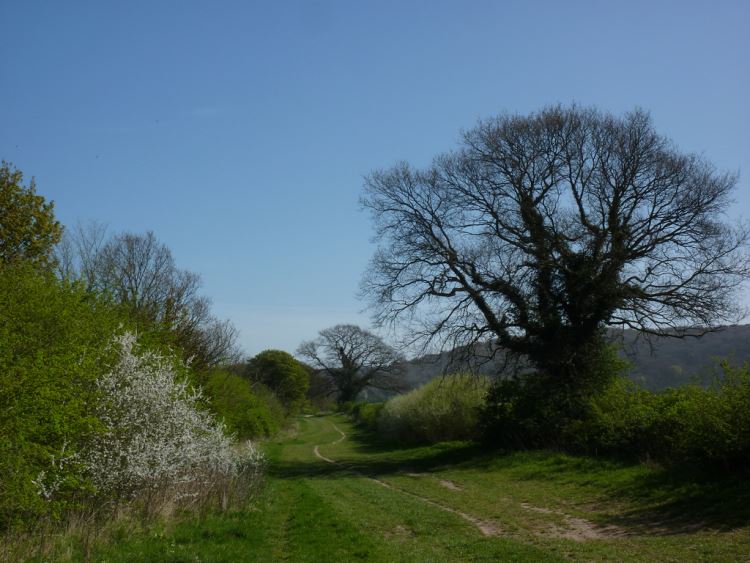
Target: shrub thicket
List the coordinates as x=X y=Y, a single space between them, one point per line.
x=686 y=426
x=85 y=421
x=247 y=413
x=53 y=341
x=446 y=408
x=364 y=414
x=536 y=410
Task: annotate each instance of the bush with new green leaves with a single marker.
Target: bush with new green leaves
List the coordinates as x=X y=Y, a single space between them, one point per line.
x=54 y=343
x=366 y=415
x=446 y=408
x=687 y=426
x=247 y=413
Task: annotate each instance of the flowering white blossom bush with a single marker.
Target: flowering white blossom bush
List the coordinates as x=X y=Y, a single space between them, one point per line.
x=156 y=437
x=48 y=483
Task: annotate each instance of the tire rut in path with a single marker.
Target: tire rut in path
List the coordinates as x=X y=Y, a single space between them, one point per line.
x=486 y=528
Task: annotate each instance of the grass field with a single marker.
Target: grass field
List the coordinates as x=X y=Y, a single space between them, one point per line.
x=358 y=500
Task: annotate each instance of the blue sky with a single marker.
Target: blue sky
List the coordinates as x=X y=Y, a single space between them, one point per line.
x=239 y=132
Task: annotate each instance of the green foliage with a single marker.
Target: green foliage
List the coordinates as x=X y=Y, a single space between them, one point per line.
x=687 y=426
x=446 y=408
x=28 y=229
x=246 y=414
x=53 y=345
x=538 y=410
x=691 y=425
x=365 y=414
x=284 y=375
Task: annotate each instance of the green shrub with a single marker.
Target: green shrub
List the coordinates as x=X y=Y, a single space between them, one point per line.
x=277 y=411
x=687 y=426
x=518 y=413
x=246 y=414
x=54 y=341
x=536 y=410
x=365 y=414
x=446 y=408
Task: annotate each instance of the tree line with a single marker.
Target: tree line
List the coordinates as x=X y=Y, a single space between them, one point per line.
x=116 y=386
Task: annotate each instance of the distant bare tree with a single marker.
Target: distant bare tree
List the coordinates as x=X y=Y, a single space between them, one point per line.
x=139 y=272
x=77 y=251
x=541 y=230
x=353 y=359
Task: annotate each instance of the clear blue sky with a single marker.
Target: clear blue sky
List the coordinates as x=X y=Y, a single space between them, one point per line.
x=239 y=132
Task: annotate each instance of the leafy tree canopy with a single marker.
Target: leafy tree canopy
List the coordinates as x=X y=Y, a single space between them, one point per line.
x=28 y=229
x=284 y=375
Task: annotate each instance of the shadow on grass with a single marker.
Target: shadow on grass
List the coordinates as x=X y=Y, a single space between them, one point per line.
x=658 y=501
x=679 y=502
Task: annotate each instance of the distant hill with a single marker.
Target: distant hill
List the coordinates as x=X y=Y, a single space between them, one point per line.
x=658 y=362
x=671 y=362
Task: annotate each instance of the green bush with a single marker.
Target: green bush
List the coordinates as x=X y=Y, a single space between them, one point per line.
x=283 y=375
x=365 y=414
x=690 y=425
x=446 y=408
x=622 y=421
x=536 y=410
x=246 y=414
x=54 y=341
x=519 y=414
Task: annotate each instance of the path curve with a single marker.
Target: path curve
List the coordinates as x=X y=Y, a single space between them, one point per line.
x=486 y=528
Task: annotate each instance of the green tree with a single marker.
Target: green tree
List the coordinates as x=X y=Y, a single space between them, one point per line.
x=281 y=373
x=28 y=229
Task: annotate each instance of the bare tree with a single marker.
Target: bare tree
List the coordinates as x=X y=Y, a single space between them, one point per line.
x=139 y=272
x=353 y=359
x=541 y=230
x=77 y=251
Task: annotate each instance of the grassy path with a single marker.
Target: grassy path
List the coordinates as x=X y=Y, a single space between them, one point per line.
x=334 y=495
x=486 y=528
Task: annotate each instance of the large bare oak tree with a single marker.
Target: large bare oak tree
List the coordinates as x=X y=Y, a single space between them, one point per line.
x=539 y=231
x=353 y=359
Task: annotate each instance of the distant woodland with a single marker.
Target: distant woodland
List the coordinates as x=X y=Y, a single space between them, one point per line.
x=656 y=362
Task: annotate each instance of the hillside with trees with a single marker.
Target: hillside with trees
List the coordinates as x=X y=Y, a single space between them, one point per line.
x=656 y=362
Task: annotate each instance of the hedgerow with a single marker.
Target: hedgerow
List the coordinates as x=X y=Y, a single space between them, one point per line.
x=446 y=408
x=155 y=436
